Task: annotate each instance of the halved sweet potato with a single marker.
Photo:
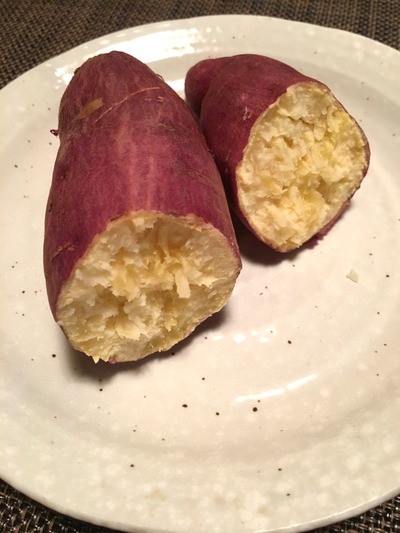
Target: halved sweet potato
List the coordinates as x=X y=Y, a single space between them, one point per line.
x=139 y=246
x=290 y=154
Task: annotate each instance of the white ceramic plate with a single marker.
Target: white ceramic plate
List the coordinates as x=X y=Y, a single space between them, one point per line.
x=282 y=412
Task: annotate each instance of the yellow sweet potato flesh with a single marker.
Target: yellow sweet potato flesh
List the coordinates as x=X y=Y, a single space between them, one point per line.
x=144 y=284
x=305 y=157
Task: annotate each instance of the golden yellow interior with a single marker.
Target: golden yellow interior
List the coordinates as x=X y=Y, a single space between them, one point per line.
x=145 y=284
x=305 y=157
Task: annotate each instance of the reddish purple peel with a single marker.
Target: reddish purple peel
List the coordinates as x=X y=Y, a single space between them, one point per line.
x=129 y=147
x=199 y=78
x=247 y=105
x=230 y=94
x=140 y=150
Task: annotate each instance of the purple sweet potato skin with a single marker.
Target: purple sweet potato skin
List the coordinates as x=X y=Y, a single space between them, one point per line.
x=127 y=143
x=229 y=98
x=198 y=80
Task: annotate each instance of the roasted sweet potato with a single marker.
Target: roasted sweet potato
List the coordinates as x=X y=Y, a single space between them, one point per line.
x=139 y=246
x=291 y=156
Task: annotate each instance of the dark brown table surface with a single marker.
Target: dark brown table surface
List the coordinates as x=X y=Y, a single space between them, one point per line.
x=32 y=31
